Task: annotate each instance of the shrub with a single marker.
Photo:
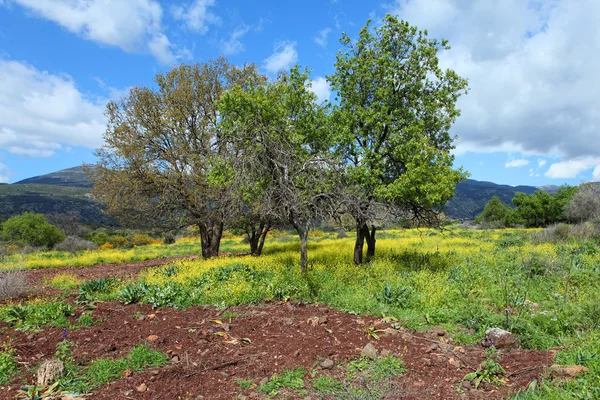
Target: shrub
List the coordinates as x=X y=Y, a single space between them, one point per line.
x=12 y=284
x=32 y=229
x=73 y=244
x=585 y=205
x=141 y=239
x=169 y=239
x=106 y=246
x=118 y=241
x=64 y=281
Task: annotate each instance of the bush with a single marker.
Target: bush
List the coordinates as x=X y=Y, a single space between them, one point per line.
x=12 y=284
x=169 y=239
x=32 y=229
x=74 y=244
x=141 y=239
x=585 y=205
x=118 y=241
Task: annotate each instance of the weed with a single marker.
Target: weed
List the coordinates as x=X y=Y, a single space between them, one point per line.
x=64 y=281
x=288 y=379
x=490 y=370
x=8 y=363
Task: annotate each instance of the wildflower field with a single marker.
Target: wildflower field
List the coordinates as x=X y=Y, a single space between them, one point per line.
x=547 y=293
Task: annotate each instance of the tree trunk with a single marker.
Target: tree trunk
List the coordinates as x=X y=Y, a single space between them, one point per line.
x=303 y=233
x=210 y=239
x=370 y=242
x=256 y=238
x=359 y=244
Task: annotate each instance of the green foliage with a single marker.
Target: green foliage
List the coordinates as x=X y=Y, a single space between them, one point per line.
x=36 y=314
x=542 y=208
x=490 y=370
x=288 y=379
x=397 y=296
x=497 y=214
x=95 y=288
x=31 y=228
x=8 y=363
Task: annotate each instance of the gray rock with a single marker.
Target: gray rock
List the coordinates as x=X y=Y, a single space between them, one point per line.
x=327 y=364
x=369 y=351
x=500 y=339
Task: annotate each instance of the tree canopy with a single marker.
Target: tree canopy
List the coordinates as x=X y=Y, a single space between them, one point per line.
x=394 y=112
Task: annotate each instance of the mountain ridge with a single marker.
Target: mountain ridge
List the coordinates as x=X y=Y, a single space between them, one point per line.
x=69 y=190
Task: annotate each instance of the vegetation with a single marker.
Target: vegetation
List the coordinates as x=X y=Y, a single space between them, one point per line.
x=32 y=229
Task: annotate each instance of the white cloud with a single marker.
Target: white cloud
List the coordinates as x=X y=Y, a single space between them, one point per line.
x=516 y=163
x=41 y=113
x=284 y=57
x=542 y=162
x=197 y=15
x=533 y=78
x=4 y=172
x=572 y=168
x=321 y=38
x=596 y=173
x=320 y=87
x=132 y=25
x=234 y=45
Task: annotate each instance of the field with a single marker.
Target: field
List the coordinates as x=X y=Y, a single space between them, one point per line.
x=242 y=327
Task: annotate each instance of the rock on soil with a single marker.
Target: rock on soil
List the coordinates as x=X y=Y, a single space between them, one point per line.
x=369 y=351
x=500 y=339
x=568 y=371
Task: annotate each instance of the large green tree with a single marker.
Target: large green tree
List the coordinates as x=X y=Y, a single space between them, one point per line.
x=395 y=107
x=542 y=208
x=162 y=164
x=281 y=139
x=32 y=229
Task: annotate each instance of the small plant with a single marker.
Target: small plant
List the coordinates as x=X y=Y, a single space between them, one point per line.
x=490 y=371
x=373 y=332
x=74 y=244
x=35 y=392
x=88 y=290
x=86 y=319
x=244 y=384
x=36 y=314
x=8 y=364
x=133 y=292
x=397 y=296
x=290 y=379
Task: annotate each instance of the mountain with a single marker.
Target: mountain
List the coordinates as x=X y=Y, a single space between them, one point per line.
x=60 y=192
x=471 y=196
x=75 y=177
x=69 y=190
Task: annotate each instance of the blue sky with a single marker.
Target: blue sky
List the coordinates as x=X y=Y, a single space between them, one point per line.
x=531 y=116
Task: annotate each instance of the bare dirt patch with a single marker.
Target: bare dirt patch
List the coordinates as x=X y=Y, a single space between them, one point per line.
x=211 y=349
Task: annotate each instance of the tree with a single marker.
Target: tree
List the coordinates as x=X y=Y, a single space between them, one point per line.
x=32 y=229
x=396 y=107
x=280 y=137
x=542 y=208
x=494 y=212
x=162 y=164
x=585 y=204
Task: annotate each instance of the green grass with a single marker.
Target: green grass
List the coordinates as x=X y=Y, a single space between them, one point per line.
x=36 y=314
x=288 y=379
x=104 y=370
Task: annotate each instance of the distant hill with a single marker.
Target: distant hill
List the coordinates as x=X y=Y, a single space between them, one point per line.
x=67 y=177
x=60 y=192
x=471 y=196
x=69 y=190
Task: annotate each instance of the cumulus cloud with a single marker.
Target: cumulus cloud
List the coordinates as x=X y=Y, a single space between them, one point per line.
x=321 y=38
x=542 y=162
x=516 y=163
x=320 y=87
x=197 y=15
x=132 y=25
x=572 y=168
x=532 y=69
x=284 y=57
x=41 y=113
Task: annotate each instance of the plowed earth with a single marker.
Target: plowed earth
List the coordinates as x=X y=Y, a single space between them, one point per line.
x=212 y=349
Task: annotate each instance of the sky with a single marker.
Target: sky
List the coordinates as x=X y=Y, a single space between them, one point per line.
x=531 y=116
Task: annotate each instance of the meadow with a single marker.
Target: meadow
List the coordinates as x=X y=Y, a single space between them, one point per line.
x=464 y=281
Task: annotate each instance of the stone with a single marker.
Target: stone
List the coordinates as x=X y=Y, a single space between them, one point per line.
x=142 y=388
x=327 y=364
x=567 y=371
x=437 y=331
x=50 y=371
x=385 y=353
x=466 y=385
x=175 y=359
x=369 y=351
x=263 y=381
x=500 y=339
x=323 y=320
x=431 y=349
x=152 y=338
x=426 y=361
x=454 y=362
